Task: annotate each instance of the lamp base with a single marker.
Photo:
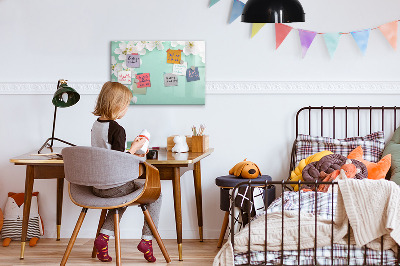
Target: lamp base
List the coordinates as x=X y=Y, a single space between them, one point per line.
x=50 y=146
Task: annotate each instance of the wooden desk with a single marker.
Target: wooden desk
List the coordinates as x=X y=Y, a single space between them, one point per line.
x=171 y=167
x=40 y=167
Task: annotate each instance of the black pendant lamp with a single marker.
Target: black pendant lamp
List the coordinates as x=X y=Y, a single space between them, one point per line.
x=273 y=11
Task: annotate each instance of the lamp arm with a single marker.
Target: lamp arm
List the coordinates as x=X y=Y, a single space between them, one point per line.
x=54 y=126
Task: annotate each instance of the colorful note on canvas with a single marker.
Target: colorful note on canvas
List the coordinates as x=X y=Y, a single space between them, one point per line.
x=125 y=77
x=174 y=56
x=133 y=60
x=170 y=80
x=144 y=80
x=192 y=74
x=180 y=69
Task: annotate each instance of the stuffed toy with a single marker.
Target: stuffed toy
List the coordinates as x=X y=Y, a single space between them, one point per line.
x=375 y=170
x=296 y=174
x=245 y=169
x=1 y=220
x=13 y=215
x=180 y=144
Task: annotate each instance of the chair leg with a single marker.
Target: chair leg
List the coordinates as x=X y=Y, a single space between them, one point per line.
x=117 y=239
x=223 y=229
x=101 y=222
x=154 y=230
x=73 y=237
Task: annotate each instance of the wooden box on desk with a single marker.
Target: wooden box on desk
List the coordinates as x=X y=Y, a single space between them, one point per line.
x=171 y=143
x=200 y=143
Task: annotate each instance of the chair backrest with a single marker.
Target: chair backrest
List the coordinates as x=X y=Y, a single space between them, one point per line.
x=92 y=166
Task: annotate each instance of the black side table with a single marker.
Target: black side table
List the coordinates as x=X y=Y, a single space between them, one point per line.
x=226 y=183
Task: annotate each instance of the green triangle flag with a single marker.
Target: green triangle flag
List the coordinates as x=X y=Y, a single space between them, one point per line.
x=332 y=41
x=256 y=27
x=213 y=2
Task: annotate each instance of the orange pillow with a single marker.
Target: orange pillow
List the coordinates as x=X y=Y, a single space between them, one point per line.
x=375 y=170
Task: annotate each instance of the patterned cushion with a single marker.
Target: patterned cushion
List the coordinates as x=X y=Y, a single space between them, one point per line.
x=372 y=144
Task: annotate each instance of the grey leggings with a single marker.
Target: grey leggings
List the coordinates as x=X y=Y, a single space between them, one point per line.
x=154 y=208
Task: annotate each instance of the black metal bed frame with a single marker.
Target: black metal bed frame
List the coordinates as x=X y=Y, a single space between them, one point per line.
x=283 y=184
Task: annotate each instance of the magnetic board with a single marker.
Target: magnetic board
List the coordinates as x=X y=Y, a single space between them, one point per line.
x=160 y=72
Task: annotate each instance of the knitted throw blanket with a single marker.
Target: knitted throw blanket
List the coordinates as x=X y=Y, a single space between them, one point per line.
x=373 y=209
x=274 y=235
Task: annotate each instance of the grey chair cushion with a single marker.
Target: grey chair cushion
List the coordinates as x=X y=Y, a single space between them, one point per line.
x=83 y=196
x=99 y=167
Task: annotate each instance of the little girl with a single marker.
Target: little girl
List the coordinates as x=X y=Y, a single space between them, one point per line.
x=112 y=103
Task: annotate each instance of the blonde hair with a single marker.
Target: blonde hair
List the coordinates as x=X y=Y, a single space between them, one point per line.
x=112 y=99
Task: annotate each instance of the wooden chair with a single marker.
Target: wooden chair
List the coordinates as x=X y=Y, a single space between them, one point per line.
x=85 y=167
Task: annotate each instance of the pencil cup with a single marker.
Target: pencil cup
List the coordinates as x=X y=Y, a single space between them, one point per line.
x=200 y=143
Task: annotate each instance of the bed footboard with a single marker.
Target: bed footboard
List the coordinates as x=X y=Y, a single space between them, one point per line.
x=383 y=259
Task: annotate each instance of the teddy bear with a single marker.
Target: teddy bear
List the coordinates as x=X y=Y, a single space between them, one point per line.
x=245 y=169
x=13 y=215
x=180 y=144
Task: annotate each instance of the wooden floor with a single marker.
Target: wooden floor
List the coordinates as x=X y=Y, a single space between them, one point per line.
x=50 y=252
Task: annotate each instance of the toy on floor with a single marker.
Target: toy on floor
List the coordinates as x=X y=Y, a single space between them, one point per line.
x=13 y=215
x=245 y=169
x=1 y=219
x=180 y=144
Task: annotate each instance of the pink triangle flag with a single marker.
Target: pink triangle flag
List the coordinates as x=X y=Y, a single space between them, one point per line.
x=281 y=31
x=389 y=30
x=306 y=39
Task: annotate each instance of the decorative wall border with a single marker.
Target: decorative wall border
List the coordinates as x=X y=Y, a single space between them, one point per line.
x=233 y=87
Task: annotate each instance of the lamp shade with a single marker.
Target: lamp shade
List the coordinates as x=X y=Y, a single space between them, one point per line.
x=65 y=96
x=273 y=11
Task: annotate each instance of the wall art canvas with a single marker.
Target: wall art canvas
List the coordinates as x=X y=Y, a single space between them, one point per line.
x=161 y=72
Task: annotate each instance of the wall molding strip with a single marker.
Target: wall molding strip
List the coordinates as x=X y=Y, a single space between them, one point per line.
x=231 y=87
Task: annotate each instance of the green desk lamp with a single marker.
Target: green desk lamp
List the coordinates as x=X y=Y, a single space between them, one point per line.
x=65 y=96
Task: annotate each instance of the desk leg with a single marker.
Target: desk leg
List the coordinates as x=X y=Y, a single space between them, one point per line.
x=176 y=182
x=60 y=190
x=27 y=206
x=197 y=189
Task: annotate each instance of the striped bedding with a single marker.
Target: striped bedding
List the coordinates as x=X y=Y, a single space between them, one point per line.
x=306 y=202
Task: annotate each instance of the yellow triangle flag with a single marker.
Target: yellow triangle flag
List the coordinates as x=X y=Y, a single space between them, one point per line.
x=256 y=28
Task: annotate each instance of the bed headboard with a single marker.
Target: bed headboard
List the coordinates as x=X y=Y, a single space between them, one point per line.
x=344 y=121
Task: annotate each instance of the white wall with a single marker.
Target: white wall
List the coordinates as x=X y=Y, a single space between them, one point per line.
x=43 y=41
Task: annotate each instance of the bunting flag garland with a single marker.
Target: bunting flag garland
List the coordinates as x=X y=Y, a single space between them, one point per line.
x=332 y=41
x=389 y=30
x=237 y=9
x=281 y=31
x=213 y=2
x=256 y=27
x=306 y=39
x=361 y=37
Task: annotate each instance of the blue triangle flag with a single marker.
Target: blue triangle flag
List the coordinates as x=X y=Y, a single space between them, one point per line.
x=213 y=2
x=361 y=37
x=332 y=41
x=237 y=9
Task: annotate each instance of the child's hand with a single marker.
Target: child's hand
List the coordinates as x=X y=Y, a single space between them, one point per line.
x=142 y=155
x=137 y=144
